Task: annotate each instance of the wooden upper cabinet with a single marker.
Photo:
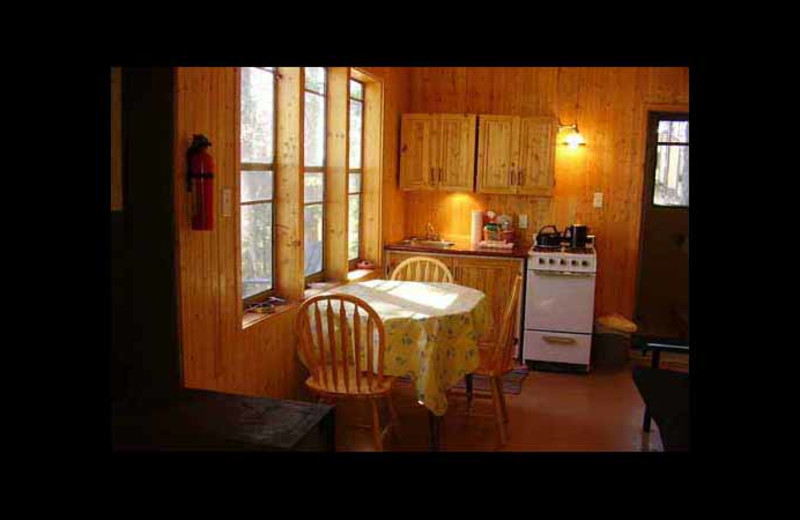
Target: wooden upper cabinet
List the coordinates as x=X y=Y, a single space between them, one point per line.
x=437 y=151
x=416 y=167
x=498 y=148
x=456 y=153
x=536 y=156
x=516 y=155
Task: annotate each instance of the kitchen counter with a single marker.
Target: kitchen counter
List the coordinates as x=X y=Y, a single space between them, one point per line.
x=460 y=248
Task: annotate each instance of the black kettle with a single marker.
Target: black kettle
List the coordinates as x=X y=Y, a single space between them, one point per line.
x=548 y=238
x=577 y=235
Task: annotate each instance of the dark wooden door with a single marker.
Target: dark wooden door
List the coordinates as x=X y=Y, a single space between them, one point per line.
x=662 y=307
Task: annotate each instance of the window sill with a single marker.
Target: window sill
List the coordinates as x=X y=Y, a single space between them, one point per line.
x=356 y=275
x=251 y=318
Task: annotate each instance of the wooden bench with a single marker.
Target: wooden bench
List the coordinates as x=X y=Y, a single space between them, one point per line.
x=209 y=421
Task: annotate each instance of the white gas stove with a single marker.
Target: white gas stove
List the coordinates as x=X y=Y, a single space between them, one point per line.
x=559 y=305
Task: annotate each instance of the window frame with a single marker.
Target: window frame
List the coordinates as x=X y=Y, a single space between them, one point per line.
x=653 y=120
x=354 y=262
x=320 y=275
x=247 y=166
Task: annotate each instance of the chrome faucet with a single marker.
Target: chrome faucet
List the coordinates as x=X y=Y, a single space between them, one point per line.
x=431 y=234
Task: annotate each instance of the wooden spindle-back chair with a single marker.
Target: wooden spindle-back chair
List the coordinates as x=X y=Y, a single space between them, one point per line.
x=345 y=355
x=497 y=359
x=422 y=269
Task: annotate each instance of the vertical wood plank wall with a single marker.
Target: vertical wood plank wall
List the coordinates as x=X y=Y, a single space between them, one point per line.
x=609 y=106
x=217 y=353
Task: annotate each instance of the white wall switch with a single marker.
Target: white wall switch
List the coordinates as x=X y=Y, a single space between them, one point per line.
x=227 y=202
x=598 y=200
x=523 y=221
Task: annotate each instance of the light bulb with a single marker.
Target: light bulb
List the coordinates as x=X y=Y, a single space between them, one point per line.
x=575 y=139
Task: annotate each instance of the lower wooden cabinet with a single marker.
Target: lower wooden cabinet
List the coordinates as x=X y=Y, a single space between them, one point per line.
x=491 y=275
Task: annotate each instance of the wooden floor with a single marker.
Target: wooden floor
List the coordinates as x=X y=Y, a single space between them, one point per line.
x=598 y=412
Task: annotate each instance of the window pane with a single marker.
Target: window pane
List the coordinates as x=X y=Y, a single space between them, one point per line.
x=256 y=248
x=353 y=220
x=315 y=79
x=256 y=185
x=314 y=127
x=257 y=117
x=313 y=187
x=673 y=131
x=313 y=239
x=356 y=90
x=354 y=185
x=672 y=176
x=356 y=116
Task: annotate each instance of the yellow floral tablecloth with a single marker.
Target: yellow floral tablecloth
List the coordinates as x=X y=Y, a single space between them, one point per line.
x=432 y=332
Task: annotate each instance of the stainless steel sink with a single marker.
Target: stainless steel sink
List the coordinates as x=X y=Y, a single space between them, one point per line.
x=421 y=242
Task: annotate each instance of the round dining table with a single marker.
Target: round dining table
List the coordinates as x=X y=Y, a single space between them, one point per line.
x=432 y=331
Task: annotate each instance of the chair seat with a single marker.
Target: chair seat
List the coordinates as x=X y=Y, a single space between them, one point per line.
x=353 y=389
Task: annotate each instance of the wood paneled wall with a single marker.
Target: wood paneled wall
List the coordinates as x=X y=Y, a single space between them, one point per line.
x=609 y=105
x=218 y=354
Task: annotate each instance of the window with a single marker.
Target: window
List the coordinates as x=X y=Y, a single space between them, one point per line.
x=257 y=144
x=355 y=170
x=671 y=170
x=314 y=168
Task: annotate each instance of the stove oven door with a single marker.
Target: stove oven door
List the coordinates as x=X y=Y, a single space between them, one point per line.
x=560 y=301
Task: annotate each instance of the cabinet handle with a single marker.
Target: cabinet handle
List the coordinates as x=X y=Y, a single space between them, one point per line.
x=511 y=176
x=432 y=174
x=558 y=339
x=440 y=175
x=520 y=178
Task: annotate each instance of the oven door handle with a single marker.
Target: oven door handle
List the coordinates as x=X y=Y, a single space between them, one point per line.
x=559 y=339
x=563 y=273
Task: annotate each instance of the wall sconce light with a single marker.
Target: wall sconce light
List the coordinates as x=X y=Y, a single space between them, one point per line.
x=574 y=139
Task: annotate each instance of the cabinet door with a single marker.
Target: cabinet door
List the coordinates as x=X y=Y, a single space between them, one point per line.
x=498 y=148
x=494 y=277
x=416 y=166
x=456 y=158
x=537 y=156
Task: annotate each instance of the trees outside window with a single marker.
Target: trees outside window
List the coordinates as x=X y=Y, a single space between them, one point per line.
x=257 y=159
x=355 y=169
x=314 y=168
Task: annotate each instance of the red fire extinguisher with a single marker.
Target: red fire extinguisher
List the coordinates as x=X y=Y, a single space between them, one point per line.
x=200 y=182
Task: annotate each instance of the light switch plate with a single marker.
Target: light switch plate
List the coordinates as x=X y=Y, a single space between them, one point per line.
x=598 y=200
x=523 y=221
x=227 y=202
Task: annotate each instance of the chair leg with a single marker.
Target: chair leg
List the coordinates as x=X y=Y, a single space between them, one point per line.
x=502 y=399
x=468 y=380
x=376 y=426
x=394 y=416
x=498 y=409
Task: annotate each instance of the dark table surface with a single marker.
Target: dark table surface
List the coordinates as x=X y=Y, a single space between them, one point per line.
x=204 y=420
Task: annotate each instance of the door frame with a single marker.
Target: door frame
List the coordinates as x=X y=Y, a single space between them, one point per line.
x=647 y=183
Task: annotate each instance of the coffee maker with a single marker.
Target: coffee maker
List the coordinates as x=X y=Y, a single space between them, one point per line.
x=577 y=235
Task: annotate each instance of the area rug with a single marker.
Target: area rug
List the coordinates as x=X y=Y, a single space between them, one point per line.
x=512 y=382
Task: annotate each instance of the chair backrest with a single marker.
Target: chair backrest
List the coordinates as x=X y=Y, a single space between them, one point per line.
x=336 y=348
x=422 y=269
x=503 y=349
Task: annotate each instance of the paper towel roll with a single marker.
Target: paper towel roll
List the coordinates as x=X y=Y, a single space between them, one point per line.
x=476 y=229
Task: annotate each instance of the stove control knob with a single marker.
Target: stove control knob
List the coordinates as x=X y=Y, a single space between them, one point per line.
x=574 y=262
x=585 y=262
x=541 y=260
x=552 y=261
x=563 y=261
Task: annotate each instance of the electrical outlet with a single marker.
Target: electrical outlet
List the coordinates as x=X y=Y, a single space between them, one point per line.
x=523 y=221
x=598 y=200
